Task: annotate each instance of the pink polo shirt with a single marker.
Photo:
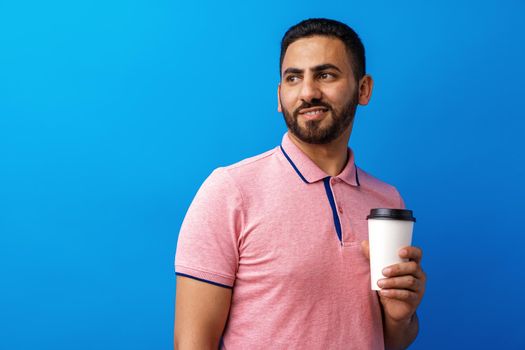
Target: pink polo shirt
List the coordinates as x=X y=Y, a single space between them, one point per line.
x=286 y=237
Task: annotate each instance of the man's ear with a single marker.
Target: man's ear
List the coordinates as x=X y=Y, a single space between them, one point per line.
x=279 y=108
x=366 y=85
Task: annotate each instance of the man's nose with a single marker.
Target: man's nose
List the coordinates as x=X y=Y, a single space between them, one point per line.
x=310 y=90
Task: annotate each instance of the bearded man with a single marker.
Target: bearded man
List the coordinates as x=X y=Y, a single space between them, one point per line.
x=273 y=251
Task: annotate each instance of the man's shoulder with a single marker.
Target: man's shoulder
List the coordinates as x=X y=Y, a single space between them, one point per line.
x=246 y=169
x=372 y=184
x=246 y=164
x=367 y=179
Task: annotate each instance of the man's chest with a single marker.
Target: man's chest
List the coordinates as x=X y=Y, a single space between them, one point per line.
x=304 y=239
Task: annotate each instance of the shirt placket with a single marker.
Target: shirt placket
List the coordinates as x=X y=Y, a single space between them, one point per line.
x=336 y=208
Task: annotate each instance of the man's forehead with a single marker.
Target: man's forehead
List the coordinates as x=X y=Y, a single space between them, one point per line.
x=307 y=53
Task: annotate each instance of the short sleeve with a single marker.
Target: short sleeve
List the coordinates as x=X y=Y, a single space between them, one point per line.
x=207 y=247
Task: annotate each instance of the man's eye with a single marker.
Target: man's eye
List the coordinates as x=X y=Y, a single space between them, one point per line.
x=326 y=75
x=292 y=78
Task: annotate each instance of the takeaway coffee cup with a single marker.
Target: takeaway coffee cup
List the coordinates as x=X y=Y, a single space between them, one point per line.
x=389 y=230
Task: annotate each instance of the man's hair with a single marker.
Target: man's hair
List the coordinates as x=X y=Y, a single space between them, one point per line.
x=331 y=28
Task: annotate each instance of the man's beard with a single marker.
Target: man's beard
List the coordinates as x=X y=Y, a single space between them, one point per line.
x=313 y=132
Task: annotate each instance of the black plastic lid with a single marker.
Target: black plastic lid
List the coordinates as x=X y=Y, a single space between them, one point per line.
x=394 y=214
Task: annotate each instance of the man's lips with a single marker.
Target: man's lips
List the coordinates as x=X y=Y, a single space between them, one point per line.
x=313 y=112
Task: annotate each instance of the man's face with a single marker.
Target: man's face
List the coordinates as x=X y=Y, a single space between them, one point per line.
x=318 y=94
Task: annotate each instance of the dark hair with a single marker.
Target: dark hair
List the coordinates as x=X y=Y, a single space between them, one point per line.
x=328 y=27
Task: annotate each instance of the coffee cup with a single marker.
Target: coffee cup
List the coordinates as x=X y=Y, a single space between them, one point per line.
x=389 y=230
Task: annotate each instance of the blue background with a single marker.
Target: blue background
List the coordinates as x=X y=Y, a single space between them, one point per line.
x=113 y=113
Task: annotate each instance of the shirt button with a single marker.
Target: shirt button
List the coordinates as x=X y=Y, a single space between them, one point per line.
x=340 y=210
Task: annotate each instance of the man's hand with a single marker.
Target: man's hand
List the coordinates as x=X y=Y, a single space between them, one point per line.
x=404 y=285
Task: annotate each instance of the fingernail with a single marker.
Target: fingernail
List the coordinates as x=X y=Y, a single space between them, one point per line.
x=386 y=271
x=381 y=283
x=403 y=252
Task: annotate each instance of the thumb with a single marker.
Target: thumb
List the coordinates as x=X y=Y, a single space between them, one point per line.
x=365 y=248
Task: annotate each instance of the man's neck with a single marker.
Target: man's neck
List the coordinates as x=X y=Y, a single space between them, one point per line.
x=331 y=157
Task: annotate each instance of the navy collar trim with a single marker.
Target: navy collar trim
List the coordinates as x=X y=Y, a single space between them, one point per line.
x=293 y=165
x=301 y=175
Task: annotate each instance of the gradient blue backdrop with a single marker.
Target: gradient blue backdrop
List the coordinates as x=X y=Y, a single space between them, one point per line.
x=112 y=113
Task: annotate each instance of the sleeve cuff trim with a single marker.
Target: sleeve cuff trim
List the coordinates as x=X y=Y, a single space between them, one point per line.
x=203 y=280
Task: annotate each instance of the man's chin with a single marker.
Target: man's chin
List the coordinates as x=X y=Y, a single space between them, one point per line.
x=310 y=131
x=316 y=138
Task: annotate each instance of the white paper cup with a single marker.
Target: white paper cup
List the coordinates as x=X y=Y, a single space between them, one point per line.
x=389 y=230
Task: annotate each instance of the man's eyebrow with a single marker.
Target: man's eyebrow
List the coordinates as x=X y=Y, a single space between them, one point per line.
x=292 y=71
x=325 y=67
x=316 y=69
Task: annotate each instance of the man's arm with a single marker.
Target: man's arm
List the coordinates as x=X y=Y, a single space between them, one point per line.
x=201 y=311
x=399 y=335
x=402 y=291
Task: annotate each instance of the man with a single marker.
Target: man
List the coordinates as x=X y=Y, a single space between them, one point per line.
x=273 y=251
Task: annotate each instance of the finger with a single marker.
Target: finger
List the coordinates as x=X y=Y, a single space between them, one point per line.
x=365 y=248
x=399 y=294
x=402 y=269
x=411 y=253
x=404 y=282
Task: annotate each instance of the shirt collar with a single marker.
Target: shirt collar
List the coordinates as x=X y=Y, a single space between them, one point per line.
x=308 y=171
